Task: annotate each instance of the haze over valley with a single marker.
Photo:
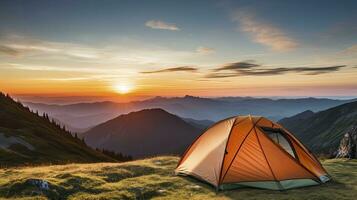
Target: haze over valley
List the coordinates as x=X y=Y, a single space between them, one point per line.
x=82 y=116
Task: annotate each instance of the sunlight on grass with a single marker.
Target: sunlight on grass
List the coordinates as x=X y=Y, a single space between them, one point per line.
x=154 y=179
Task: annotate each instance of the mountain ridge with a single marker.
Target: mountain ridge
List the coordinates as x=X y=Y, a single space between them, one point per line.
x=84 y=115
x=322 y=131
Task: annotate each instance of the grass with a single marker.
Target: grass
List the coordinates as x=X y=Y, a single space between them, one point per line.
x=154 y=179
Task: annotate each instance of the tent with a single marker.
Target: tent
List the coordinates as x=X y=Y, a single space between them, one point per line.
x=251 y=151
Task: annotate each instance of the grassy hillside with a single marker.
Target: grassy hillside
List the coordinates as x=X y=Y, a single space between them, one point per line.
x=26 y=138
x=322 y=131
x=154 y=179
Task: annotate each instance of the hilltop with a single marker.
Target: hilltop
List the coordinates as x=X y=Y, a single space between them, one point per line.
x=154 y=179
x=144 y=133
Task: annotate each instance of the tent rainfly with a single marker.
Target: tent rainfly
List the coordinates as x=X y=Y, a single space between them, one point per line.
x=251 y=151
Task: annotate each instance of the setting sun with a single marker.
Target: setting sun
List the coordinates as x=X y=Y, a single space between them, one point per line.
x=122 y=88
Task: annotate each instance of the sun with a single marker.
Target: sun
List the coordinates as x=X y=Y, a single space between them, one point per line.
x=122 y=88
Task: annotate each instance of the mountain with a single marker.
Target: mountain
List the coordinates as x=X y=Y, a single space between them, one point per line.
x=82 y=116
x=143 y=133
x=215 y=109
x=322 y=131
x=26 y=138
x=296 y=119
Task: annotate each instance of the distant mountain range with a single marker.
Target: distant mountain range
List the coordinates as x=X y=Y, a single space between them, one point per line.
x=323 y=131
x=144 y=133
x=82 y=116
x=26 y=138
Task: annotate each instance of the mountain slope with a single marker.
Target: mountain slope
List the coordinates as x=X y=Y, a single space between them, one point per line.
x=153 y=179
x=143 y=133
x=322 y=131
x=201 y=124
x=296 y=119
x=26 y=137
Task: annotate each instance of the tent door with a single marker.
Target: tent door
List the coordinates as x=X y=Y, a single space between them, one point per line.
x=278 y=136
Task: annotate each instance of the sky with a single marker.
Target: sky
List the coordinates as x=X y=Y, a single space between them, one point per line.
x=173 y=48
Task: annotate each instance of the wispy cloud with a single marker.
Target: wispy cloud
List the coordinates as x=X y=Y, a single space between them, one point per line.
x=23 y=46
x=351 y=50
x=238 y=66
x=264 y=33
x=205 y=50
x=173 y=69
x=8 y=51
x=157 y=24
x=125 y=53
x=253 y=69
x=42 y=68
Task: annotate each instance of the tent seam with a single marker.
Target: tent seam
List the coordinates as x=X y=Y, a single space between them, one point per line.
x=196 y=139
x=225 y=149
x=235 y=155
x=304 y=148
x=271 y=170
x=298 y=163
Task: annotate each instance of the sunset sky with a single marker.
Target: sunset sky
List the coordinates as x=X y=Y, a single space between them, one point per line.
x=174 y=48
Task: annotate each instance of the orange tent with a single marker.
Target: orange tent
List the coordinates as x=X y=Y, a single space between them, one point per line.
x=251 y=151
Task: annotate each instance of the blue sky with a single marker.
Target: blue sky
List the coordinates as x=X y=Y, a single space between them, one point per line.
x=297 y=40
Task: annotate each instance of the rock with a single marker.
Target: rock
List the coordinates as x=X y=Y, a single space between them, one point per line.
x=40 y=184
x=348 y=144
x=161 y=191
x=194 y=186
x=157 y=163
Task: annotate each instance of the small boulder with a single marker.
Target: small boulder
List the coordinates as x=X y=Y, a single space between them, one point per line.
x=161 y=191
x=40 y=184
x=193 y=186
x=157 y=163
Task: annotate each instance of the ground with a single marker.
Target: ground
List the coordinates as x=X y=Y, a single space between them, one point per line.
x=154 y=179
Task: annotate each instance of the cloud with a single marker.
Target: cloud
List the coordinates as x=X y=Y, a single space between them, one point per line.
x=29 y=67
x=126 y=53
x=8 y=51
x=173 y=69
x=26 y=46
x=252 y=69
x=237 y=66
x=205 y=50
x=157 y=24
x=351 y=50
x=264 y=33
x=57 y=73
